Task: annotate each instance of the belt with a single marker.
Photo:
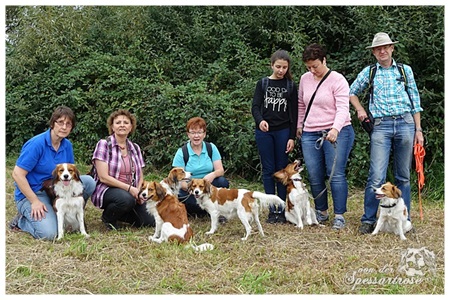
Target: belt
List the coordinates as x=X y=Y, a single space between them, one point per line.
x=391 y=117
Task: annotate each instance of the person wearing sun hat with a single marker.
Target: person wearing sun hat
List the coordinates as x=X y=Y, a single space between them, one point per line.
x=395 y=107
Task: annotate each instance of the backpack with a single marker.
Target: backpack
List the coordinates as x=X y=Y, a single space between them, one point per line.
x=401 y=69
x=290 y=85
x=186 y=153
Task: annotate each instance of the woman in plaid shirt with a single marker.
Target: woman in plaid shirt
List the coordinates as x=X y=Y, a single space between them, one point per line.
x=118 y=171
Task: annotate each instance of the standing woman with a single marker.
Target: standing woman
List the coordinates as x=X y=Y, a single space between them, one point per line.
x=274 y=109
x=327 y=135
x=118 y=171
x=37 y=160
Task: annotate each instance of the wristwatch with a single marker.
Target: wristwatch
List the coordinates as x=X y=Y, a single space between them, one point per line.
x=419 y=129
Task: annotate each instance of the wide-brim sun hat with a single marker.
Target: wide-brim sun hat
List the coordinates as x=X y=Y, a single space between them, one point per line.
x=381 y=39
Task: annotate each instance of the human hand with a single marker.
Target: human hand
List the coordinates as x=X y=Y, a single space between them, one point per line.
x=38 y=210
x=332 y=135
x=264 y=126
x=290 y=145
x=362 y=115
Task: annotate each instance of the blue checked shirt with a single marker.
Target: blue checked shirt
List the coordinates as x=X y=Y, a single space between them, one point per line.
x=389 y=95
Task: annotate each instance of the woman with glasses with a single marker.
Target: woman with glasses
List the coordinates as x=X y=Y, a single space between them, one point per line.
x=119 y=174
x=37 y=160
x=203 y=160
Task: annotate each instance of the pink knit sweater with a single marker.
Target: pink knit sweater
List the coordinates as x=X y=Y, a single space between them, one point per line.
x=330 y=108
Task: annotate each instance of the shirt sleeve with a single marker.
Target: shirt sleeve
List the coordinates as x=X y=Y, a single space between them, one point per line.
x=178 y=159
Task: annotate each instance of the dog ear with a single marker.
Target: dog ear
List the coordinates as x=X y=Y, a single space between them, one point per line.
x=396 y=192
x=77 y=173
x=160 y=191
x=55 y=173
x=207 y=187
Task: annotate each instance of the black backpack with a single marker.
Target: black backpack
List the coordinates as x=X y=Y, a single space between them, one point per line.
x=186 y=153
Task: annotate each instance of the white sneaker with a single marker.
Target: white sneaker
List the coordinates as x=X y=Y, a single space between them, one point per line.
x=408 y=226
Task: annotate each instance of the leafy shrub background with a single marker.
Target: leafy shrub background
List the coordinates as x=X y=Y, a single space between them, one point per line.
x=169 y=63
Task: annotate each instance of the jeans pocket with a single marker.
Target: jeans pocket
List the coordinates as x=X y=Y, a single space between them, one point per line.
x=408 y=118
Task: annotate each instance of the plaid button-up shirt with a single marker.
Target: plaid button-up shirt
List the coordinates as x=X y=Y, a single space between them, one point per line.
x=101 y=153
x=389 y=95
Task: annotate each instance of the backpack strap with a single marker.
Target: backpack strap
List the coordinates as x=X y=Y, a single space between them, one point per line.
x=401 y=69
x=186 y=153
x=372 y=71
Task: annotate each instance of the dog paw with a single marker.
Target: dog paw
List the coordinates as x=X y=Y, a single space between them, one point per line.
x=209 y=232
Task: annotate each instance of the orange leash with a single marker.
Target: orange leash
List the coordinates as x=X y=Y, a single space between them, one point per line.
x=419 y=154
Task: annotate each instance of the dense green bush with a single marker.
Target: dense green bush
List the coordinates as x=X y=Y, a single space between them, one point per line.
x=167 y=64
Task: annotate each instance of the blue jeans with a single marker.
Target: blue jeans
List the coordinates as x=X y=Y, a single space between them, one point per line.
x=47 y=228
x=190 y=202
x=272 y=152
x=398 y=135
x=319 y=163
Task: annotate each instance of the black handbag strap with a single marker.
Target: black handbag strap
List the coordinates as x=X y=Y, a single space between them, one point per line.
x=313 y=95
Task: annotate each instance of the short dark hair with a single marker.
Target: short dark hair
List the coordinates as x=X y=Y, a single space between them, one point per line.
x=283 y=55
x=121 y=112
x=313 y=52
x=62 y=111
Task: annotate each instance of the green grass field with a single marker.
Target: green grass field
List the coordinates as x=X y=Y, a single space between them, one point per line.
x=315 y=260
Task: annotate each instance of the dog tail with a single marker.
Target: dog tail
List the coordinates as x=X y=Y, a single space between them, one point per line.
x=202 y=247
x=267 y=199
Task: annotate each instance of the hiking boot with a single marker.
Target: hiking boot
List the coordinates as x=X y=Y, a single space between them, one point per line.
x=338 y=223
x=110 y=225
x=281 y=218
x=14 y=224
x=222 y=220
x=321 y=218
x=366 y=228
x=272 y=219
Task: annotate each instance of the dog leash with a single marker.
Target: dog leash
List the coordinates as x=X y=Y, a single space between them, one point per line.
x=318 y=145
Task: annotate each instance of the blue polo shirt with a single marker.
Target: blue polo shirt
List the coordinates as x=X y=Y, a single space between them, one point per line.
x=40 y=159
x=198 y=165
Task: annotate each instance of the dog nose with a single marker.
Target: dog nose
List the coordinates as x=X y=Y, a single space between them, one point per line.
x=196 y=192
x=144 y=195
x=66 y=176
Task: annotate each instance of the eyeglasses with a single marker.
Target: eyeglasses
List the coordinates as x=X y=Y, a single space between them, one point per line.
x=196 y=132
x=62 y=123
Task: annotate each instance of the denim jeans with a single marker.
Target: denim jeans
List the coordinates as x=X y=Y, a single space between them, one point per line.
x=319 y=162
x=398 y=135
x=272 y=152
x=190 y=202
x=47 y=228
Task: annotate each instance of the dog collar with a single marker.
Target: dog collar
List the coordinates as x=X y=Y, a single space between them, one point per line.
x=388 y=206
x=297 y=179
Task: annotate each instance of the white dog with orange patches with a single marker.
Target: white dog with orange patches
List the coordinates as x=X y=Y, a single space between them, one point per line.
x=230 y=203
x=69 y=203
x=393 y=215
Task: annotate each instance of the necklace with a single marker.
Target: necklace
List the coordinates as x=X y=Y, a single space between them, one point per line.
x=122 y=148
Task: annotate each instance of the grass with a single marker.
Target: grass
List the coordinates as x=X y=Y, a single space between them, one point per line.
x=315 y=260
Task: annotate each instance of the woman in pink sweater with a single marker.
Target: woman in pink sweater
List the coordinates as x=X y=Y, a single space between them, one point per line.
x=326 y=134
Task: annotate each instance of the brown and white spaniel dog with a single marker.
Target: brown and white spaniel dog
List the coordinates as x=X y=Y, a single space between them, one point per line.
x=170 y=215
x=69 y=203
x=298 y=209
x=230 y=203
x=393 y=216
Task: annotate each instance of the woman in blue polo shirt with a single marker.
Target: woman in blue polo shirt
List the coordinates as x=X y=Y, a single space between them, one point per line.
x=38 y=158
x=201 y=162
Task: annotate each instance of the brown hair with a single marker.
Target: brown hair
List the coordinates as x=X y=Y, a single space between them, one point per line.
x=121 y=112
x=313 y=52
x=62 y=111
x=283 y=55
x=196 y=122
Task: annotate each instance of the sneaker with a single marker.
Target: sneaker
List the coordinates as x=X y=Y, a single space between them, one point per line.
x=338 y=223
x=321 y=218
x=272 y=219
x=409 y=227
x=14 y=224
x=281 y=218
x=222 y=220
x=366 y=228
